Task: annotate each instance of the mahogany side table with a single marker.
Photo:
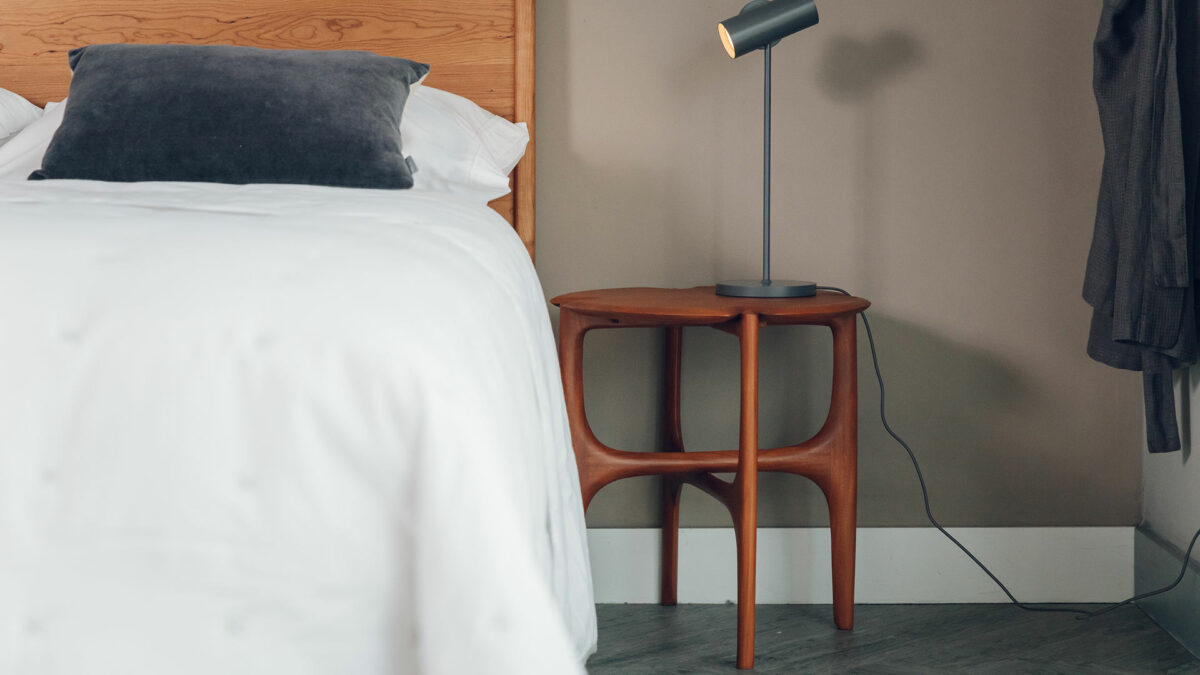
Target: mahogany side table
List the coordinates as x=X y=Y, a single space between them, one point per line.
x=830 y=458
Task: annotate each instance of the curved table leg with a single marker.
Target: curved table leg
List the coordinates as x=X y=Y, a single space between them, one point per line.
x=672 y=486
x=841 y=492
x=745 y=506
x=571 y=329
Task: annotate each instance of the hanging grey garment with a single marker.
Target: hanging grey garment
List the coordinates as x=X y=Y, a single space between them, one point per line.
x=1140 y=267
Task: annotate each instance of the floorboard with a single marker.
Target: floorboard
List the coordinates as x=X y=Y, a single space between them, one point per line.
x=637 y=639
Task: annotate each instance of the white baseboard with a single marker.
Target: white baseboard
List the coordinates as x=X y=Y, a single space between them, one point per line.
x=894 y=565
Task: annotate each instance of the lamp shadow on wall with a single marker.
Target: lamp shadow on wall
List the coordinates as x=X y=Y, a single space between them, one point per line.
x=856 y=72
x=952 y=401
x=960 y=406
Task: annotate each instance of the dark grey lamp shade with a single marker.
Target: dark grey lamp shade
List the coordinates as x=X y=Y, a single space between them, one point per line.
x=762 y=23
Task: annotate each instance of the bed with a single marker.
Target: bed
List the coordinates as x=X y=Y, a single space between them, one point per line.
x=282 y=428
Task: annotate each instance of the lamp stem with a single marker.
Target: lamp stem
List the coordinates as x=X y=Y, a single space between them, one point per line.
x=766 y=280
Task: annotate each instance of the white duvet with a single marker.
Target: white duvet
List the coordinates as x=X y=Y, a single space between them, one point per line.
x=279 y=429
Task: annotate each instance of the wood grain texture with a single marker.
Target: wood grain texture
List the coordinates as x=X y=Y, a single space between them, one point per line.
x=480 y=49
x=745 y=486
x=524 y=102
x=701 y=306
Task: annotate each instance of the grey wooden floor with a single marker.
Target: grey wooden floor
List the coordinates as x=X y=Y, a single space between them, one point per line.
x=636 y=639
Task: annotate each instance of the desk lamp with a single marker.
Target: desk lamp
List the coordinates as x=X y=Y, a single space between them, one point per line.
x=761 y=25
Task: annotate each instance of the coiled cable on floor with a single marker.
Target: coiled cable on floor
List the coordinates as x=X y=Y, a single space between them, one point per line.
x=1082 y=614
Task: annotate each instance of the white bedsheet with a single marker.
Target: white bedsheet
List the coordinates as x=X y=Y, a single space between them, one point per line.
x=279 y=429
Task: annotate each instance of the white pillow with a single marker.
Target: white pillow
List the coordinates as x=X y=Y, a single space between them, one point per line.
x=15 y=114
x=22 y=154
x=458 y=147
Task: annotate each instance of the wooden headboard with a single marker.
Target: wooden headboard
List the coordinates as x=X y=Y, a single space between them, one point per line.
x=480 y=49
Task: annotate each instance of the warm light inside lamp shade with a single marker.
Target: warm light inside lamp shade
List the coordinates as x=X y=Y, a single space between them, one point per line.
x=726 y=41
x=761 y=23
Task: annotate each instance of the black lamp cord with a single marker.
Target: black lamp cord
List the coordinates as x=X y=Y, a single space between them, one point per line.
x=1083 y=614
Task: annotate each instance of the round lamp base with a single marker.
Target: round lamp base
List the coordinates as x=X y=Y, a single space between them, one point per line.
x=755 y=288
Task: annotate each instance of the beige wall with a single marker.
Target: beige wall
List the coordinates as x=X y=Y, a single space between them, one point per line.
x=939 y=157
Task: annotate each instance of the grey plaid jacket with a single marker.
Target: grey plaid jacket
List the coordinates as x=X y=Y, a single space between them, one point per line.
x=1141 y=265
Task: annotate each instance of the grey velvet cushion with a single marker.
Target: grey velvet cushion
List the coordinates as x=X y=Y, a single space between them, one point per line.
x=224 y=114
